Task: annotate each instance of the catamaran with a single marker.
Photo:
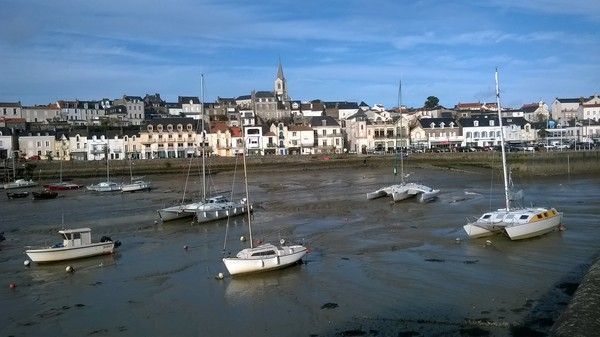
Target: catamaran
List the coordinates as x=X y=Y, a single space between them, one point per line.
x=404 y=190
x=517 y=223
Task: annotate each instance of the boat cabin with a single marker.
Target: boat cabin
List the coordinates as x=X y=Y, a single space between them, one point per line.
x=76 y=237
x=260 y=252
x=217 y=200
x=518 y=216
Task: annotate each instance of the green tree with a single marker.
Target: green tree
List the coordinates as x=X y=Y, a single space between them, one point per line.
x=431 y=102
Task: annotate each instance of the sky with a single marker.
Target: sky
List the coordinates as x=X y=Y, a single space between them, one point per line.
x=337 y=50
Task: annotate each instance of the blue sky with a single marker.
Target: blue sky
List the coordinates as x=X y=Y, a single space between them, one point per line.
x=331 y=50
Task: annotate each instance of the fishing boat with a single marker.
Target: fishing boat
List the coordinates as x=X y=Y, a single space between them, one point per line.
x=105 y=186
x=264 y=257
x=77 y=243
x=516 y=223
x=44 y=194
x=404 y=190
x=17 y=195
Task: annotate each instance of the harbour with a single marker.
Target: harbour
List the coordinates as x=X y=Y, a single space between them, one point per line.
x=374 y=267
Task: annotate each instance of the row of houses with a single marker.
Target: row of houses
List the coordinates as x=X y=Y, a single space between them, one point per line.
x=362 y=132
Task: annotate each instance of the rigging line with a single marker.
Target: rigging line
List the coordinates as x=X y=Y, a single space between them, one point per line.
x=493 y=156
x=229 y=216
x=187 y=177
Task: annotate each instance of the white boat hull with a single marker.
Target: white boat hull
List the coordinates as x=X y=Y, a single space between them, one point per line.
x=174 y=213
x=533 y=229
x=405 y=191
x=238 y=266
x=19 y=183
x=475 y=231
x=70 y=253
x=136 y=186
x=104 y=187
x=211 y=215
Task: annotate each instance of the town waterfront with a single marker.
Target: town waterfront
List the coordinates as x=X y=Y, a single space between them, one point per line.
x=375 y=267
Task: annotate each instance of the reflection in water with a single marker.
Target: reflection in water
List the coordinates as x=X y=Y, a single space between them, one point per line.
x=246 y=287
x=49 y=272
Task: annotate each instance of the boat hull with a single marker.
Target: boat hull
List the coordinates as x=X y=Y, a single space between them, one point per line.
x=135 y=186
x=212 y=215
x=174 y=213
x=105 y=187
x=69 y=253
x=238 y=266
x=533 y=229
x=44 y=195
x=20 y=183
x=475 y=231
x=63 y=186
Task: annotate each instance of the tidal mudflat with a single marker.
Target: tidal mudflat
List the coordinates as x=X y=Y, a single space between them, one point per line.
x=375 y=268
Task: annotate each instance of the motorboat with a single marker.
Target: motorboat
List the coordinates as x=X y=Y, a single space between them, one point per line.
x=20 y=183
x=44 y=194
x=516 y=223
x=77 y=243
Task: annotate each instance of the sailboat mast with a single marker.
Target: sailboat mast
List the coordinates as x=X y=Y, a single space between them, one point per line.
x=247 y=197
x=401 y=154
x=107 y=170
x=203 y=135
x=504 y=171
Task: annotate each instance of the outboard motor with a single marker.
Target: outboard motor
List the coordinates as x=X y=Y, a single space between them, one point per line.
x=108 y=239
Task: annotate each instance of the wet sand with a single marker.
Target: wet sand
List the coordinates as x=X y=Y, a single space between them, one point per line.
x=375 y=268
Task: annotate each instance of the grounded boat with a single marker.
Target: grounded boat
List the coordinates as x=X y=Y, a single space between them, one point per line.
x=105 y=186
x=217 y=208
x=519 y=223
x=404 y=190
x=44 y=194
x=264 y=257
x=137 y=185
x=20 y=183
x=17 y=195
x=62 y=186
x=77 y=243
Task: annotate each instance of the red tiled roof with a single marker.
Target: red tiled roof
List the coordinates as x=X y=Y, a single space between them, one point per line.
x=235 y=131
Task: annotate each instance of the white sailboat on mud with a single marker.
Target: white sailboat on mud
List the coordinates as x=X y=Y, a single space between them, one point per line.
x=214 y=208
x=105 y=186
x=264 y=257
x=516 y=223
x=404 y=190
x=137 y=184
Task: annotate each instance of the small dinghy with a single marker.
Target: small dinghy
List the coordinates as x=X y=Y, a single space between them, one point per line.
x=44 y=194
x=17 y=195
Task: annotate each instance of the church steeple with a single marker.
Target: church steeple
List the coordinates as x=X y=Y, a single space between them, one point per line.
x=281 y=91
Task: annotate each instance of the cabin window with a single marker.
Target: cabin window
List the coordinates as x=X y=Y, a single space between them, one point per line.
x=539 y=216
x=545 y=214
x=265 y=253
x=523 y=217
x=486 y=216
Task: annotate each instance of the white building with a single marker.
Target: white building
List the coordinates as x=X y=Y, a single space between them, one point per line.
x=328 y=135
x=37 y=144
x=590 y=109
x=6 y=143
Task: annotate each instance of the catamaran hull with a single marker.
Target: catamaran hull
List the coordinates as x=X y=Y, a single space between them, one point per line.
x=69 y=253
x=173 y=213
x=475 y=231
x=237 y=266
x=533 y=229
x=207 y=216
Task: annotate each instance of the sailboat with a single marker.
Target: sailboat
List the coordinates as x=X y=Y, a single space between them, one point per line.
x=18 y=183
x=517 y=223
x=264 y=257
x=135 y=184
x=214 y=208
x=62 y=185
x=105 y=186
x=404 y=190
